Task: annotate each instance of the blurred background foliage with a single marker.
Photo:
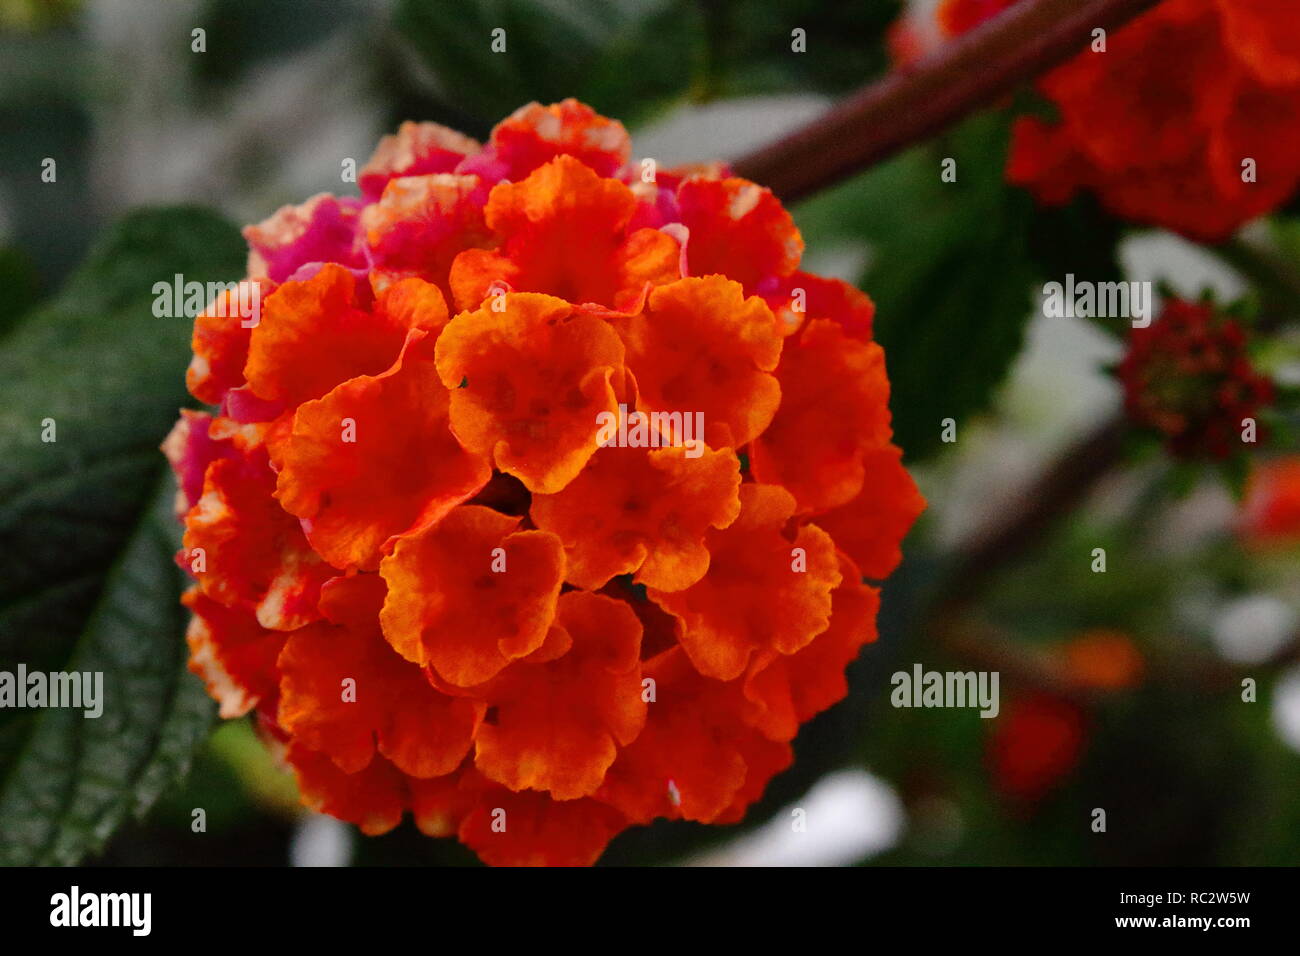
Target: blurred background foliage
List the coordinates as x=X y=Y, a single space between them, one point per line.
x=161 y=150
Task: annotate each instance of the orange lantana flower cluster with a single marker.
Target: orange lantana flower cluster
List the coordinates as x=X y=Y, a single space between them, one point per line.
x=1190 y=118
x=538 y=501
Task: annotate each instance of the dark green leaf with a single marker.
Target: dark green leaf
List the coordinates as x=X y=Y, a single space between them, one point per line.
x=72 y=779
x=86 y=580
x=21 y=284
x=950 y=272
x=625 y=58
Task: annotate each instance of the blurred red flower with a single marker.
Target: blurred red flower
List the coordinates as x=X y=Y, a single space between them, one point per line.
x=1040 y=736
x=1270 y=513
x=1188 y=119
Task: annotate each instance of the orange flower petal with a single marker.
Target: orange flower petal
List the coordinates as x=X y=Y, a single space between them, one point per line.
x=233 y=654
x=375 y=458
x=563 y=195
x=441 y=804
x=559 y=724
x=737 y=229
x=870 y=528
x=531 y=829
x=787 y=689
x=642 y=510
x=410 y=303
x=323 y=229
x=320 y=332
x=647 y=258
x=690 y=761
x=764 y=759
x=447 y=607
x=416 y=149
x=701 y=347
x=421 y=223
x=753 y=597
x=1253 y=28
x=564 y=234
x=244 y=549
x=1262 y=125
x=389 y=706
x=220 y=343
x=477 y=273
x=535 y=376
x=834 y=408
x=373 y=798
x=535 y=134
x=803 y=296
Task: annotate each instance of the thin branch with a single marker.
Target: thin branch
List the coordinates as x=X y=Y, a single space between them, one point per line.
x=908 y=106
x=1057 y=490
x=977 y=643
x=974 y=642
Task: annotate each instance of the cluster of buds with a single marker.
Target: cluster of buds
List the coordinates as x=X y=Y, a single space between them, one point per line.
x=1189 y=377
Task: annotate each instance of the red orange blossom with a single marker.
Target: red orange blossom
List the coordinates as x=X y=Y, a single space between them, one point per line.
x=417 y=566
x=1188 y=119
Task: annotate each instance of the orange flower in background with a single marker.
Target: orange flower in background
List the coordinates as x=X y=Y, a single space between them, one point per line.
x=1041 y=735
x=1270 y=514
x=1103 y=659
x=1189 y=119
x=536 y=500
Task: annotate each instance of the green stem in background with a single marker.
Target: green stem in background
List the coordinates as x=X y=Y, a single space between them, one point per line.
x=713 y=56
x=1276 y=279
x=1053 y=494
x=908 y=106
